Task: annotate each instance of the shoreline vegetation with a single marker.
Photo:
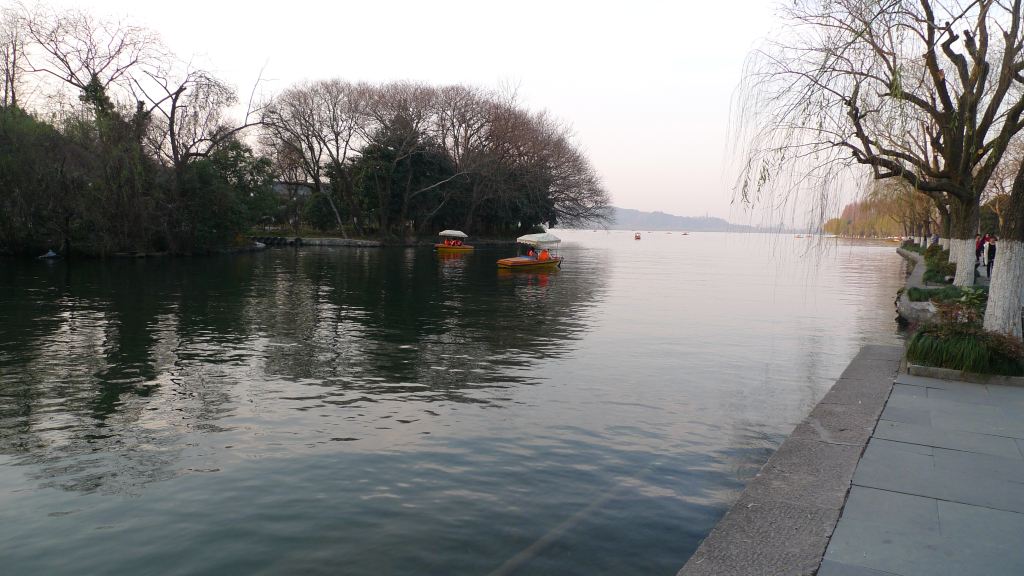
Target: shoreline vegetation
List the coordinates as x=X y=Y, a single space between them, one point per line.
x=111 y=145
x=946 y=321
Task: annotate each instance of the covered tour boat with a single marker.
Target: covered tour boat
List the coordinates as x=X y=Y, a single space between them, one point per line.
x=535 y=251
x=452 y=242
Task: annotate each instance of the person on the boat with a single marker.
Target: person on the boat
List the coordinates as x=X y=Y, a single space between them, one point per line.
x=544 y=255
x=530 y=253
x=458 y=242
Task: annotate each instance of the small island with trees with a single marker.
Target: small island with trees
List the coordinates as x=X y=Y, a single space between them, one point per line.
x=110 y=144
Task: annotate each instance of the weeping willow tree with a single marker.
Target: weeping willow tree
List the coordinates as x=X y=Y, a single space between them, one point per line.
x=924 y=91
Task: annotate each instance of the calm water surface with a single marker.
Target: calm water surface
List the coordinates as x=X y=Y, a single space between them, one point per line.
x=360 y=411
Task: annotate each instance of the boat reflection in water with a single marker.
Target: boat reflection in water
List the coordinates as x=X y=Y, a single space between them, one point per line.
x=540 y=277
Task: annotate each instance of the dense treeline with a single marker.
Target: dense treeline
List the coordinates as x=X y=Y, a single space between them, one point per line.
x=110 y=144
x=890 y=208
x=90 y=186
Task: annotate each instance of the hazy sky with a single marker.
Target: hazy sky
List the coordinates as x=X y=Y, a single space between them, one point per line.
x=646 y=85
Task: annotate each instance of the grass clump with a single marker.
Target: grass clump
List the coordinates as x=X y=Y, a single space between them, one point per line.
x=958 y=341
x=976 y=297
x=912 y=246
x=937 y=265
x=967 y=347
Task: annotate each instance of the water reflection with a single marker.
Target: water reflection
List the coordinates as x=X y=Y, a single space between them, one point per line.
x=119 y=360
x=290 y=410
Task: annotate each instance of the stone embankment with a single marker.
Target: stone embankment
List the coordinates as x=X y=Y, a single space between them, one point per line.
x=782 y=522
x=914 y=312
x=360 y=243
x=297 y=241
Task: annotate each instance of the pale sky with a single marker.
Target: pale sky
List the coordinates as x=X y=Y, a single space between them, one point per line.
x=646 y=85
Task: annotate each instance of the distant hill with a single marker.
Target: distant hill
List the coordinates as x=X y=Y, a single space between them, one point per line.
x=629 y=219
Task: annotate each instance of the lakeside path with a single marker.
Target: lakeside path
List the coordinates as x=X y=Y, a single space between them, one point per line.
x=937 y=490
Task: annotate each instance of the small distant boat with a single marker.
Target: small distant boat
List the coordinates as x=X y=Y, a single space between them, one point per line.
x=453 y=242
x=799 y=236
x=50 y=254
x=636 y=236
x=686 y=233
x=535 y=251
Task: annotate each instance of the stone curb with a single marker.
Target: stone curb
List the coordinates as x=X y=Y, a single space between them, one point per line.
x=782 y=522
x=950 y=374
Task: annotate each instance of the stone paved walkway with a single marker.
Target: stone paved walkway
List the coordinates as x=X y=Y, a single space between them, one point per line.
x=939 y=489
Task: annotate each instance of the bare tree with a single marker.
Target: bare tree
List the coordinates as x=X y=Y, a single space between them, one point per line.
x=189 y=113
x=342 y=121
x=12 y=49
x=291 y=121
x=82 y=51
x=1000 y=186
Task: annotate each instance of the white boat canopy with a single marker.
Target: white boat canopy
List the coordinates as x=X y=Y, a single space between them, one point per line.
x=453 y=234
x=539 y=240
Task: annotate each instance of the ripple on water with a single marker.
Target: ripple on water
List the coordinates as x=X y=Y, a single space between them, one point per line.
x=381 y=411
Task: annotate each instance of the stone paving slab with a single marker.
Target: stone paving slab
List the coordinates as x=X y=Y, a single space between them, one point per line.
x=952 y=439
x=919 y=416
x=902 y=468
x=958 y=408
x=939 y=489
x=905 y=390
x=833 y=568
x=910 y=380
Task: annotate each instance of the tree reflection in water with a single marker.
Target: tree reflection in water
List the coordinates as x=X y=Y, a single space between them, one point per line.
x=112 y=371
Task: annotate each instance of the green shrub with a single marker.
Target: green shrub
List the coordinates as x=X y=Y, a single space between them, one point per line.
x=943 y=294
x=966 y=346
x=937 y=265
x=939 y=275
x=976 y=296
x=936 y=251
x=912 y=246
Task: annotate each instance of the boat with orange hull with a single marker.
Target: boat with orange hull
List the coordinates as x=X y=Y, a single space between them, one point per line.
x=540 y=252
x=525 y=262
x=452 y=243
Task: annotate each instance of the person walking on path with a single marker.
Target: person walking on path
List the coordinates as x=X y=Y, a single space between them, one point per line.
x=979 y=248
x=991 y=256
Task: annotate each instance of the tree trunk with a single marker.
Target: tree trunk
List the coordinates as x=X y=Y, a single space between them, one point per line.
x=963 y=226
x=1002 y=313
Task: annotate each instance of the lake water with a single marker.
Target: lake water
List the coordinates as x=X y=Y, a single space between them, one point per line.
x=385 y=411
